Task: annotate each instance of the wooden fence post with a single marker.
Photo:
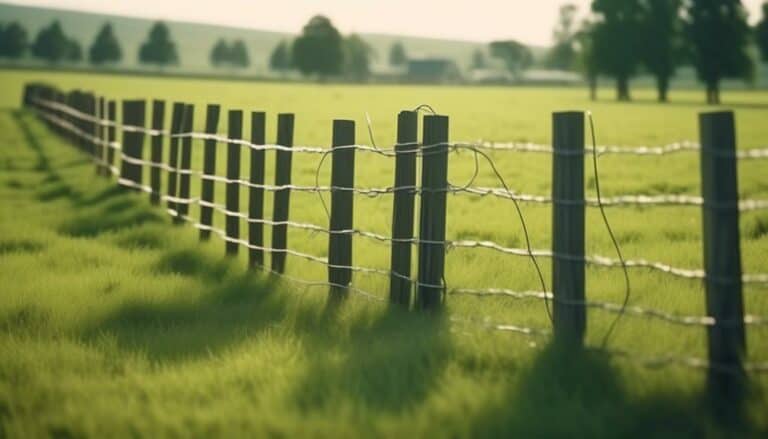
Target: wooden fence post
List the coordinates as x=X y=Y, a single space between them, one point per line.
x=722 y=259
x=256 y=194
x=182 y=207
x=111 y=134
x=403 y=208
x=233 y=187
x=209 y=170
x=102 y=136
x=98 y=147
x=434 y=183
x=569 y=313
x=89 y=107
x=156 y=154
x=342 y=203
x=133 y=141
x=177 y=117
x=282 y=196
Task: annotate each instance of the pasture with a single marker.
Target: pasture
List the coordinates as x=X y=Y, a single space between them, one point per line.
x=114 y=320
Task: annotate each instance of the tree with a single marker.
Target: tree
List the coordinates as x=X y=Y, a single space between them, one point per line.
x=280 y=59
x=478 y=59
x=105 y=48
x=719 y=35
x=516 y=56
x=662 y=46
x=357 y=58
x=238 y=54
x=159 y=49
x=397 y=55
x=586 y=62
x=51 y=44
x=13 y=41
x=220 y=54
x=74 y=51
x=318 y=50
x=761 y=33
x=616 y=38
x=562 y=56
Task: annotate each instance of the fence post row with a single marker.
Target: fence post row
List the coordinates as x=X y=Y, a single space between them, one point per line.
x=403 y=207
x=209 y=170
x=182 y=206
x=256 y=194
x=177 y=117
x=434 y=183
x=233 y=186
x=156 y=153
x=342 y=199
x=568 y=210
x=282 y=196
x=111 y=133
x=133 y=141
x=722 y=258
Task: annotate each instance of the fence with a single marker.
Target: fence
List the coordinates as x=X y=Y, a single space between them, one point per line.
x=91 y=124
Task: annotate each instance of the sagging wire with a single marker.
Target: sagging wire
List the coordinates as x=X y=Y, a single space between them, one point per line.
x=627 y=291
x=520 y=215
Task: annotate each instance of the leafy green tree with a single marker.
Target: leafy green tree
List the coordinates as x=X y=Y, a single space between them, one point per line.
x=516 y=56
x=357 y=58
x=51 y=44
x=563 y=55
x=586 y=62
x=662 y=46
x=478 y=59
x=159 y=49
x=761 y=33
x=397 y=55
x=105 y=48
x=617 y=37
x=238 y=54
x=220 y=54
x=719 y=35
x=74 y=51
x=13 y=41
x=319 y=49
x=280 y=59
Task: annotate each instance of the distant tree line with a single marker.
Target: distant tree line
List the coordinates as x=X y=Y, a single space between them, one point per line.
x=53 y=45
x=225 y=54
x=625 y=36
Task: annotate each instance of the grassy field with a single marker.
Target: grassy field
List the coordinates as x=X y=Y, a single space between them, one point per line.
x=112 y=321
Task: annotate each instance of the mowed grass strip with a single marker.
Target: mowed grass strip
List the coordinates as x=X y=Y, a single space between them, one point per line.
x=113 y=321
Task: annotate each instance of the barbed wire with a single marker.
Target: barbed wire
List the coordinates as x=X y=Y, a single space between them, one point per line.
x=753 y=153
x=652 y=362
x=595 y=260
x=615 y=308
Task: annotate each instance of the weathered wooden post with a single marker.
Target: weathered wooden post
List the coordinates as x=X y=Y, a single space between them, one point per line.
x=209 y=170
x=403 y=208
x=722 y=261
x=156 y=154
x=342 y=199
x=233 y=187
x=111 y=134
x=569 y=313
x=256 y=192
x=282 y=196
x=434 y=184
x=182 y=207
x=177 y=117
x=133 y=142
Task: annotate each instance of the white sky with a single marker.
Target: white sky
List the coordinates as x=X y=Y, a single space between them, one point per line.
x=529 y=21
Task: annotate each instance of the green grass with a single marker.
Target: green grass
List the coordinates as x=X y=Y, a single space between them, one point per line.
x=113 y=321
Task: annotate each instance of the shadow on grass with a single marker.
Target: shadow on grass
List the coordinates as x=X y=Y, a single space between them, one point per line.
x=391 y=362
x=567 y=392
